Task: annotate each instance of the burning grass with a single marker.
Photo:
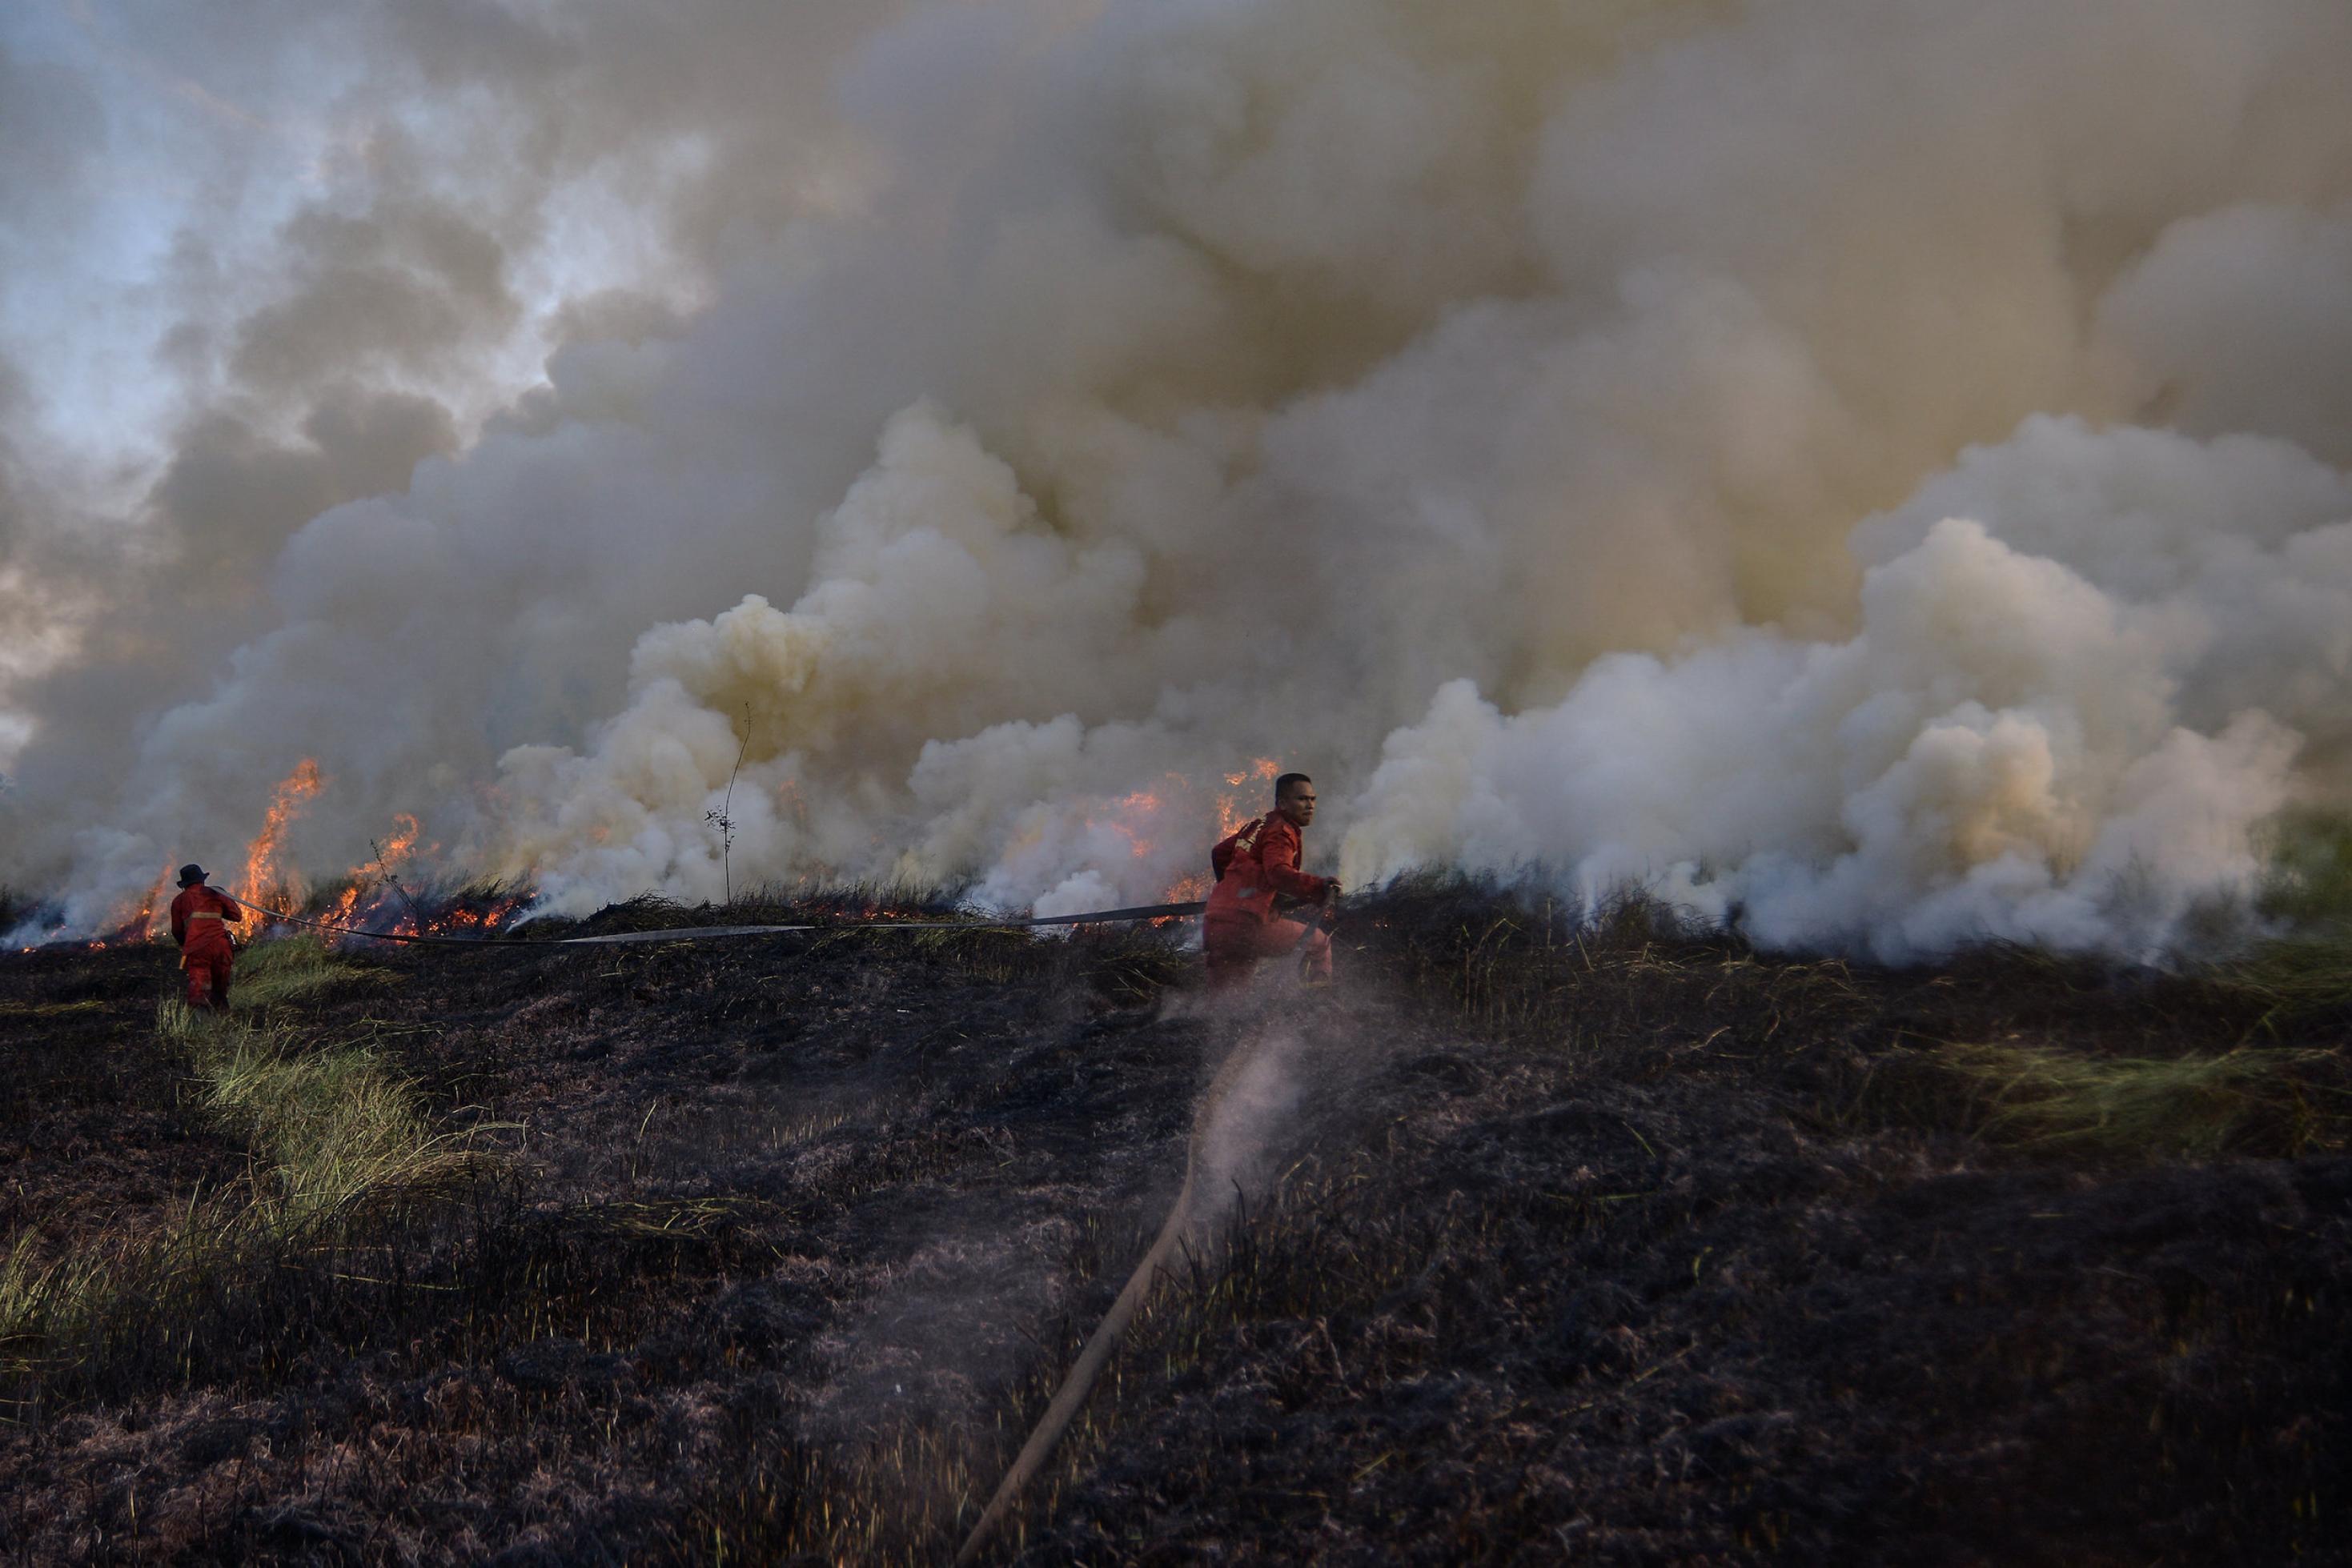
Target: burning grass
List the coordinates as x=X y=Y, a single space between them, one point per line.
x=424 y=906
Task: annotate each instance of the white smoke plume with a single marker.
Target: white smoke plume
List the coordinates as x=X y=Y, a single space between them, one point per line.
x=1872 y=468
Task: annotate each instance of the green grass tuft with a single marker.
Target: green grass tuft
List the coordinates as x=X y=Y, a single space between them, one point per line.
x=291 y=968
x=336 y=1130
x=35 y=1293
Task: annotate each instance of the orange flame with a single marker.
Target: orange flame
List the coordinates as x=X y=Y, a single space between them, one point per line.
x=1265 y=769
x=268 y=882
x=365 y=900
x=1145 y=819
x=1230 y=814
x=1187 y=889
x=138 y=924
x=395 y=851
x=373 y=898
x=391 y=854
x=1144 y=803
x=788 y=796
x=460 y=920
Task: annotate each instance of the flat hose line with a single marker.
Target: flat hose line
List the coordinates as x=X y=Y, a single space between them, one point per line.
x=1080 y=1380
x=706 y=933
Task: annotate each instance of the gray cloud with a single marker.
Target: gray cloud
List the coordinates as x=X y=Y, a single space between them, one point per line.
x=52 y=139
x=13 y=503
x=398 y=291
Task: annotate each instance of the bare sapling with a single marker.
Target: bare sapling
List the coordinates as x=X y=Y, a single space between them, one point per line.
x=723 y=819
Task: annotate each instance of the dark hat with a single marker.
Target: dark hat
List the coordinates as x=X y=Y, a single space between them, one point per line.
x=191 y=874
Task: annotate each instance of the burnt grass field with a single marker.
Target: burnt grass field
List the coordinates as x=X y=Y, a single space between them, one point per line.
x=1611 y=1243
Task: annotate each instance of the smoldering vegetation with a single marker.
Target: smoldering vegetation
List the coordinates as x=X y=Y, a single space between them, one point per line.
x=1581 y=1235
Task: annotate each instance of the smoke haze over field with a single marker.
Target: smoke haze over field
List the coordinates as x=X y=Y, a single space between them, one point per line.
x=1876 y=465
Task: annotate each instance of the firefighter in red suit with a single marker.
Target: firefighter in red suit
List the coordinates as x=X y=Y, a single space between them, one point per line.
x=201 y=917
x=1258 y=884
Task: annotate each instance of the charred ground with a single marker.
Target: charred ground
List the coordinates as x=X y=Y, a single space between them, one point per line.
x=1609 y=1243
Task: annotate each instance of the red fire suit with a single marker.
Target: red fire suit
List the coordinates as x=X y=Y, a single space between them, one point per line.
x=1255 y=867
x=200 y=920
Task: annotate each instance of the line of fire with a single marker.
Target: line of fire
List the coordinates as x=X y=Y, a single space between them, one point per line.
x=382 y=895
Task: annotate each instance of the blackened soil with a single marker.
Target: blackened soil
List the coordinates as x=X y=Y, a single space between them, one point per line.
x=1661 y=1314
x=93 y=1136
x=1624 y=1249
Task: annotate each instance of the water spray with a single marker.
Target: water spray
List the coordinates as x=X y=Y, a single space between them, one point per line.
x=1080 y=1380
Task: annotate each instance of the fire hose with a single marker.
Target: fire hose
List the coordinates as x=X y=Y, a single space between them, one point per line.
x=1080 y=1379
x=705 y=933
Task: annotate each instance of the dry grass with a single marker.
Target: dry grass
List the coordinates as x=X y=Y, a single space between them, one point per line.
x=290 y=970
x=1631 y=974
x=36 y=1295
x=332 y=1136
x=79 y=1307
x=2251 y=1100
x=2307 y=878
x=2297 y=978
x=48 y=1010
x=334 y=1127
x=900 y=1499
x=2303 y=972
x=1124 y=964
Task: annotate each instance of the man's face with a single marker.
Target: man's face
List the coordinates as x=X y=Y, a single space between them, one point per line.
x=1298 y=803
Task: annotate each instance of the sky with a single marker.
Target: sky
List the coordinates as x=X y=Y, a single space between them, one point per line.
x=150 y=141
